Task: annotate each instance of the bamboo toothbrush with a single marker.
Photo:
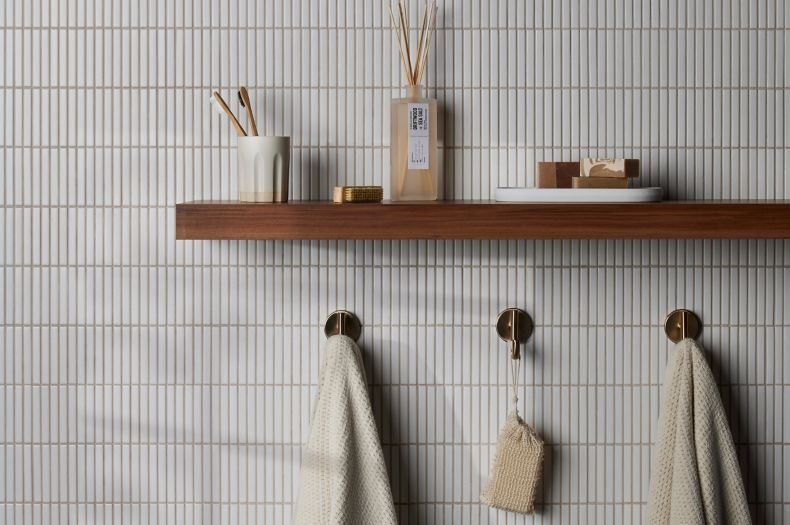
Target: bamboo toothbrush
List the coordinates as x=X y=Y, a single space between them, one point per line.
x=244 y=100
x=221 y=107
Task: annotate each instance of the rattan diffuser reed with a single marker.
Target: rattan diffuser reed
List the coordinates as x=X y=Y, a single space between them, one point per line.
x=413 y=137
x=414 y=70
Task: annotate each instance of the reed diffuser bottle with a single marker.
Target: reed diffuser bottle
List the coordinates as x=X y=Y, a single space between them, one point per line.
x=413 y=124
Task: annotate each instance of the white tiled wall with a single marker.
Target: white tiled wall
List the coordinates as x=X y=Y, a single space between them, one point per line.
x=146 y=380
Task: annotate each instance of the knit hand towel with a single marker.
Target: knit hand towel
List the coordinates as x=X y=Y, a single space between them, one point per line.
x=516 y=469
x=343 y=478
x=696 y=478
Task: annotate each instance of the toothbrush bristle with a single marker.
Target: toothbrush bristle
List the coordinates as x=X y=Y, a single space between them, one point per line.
x=215 y=104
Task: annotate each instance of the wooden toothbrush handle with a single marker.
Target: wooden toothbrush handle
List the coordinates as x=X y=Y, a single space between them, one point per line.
x=229 y=113
x=248 y=106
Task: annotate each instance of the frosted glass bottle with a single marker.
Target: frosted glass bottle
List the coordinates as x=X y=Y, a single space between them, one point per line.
x=413 y=150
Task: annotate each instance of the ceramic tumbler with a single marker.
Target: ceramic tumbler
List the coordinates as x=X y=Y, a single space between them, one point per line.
x=264 y=167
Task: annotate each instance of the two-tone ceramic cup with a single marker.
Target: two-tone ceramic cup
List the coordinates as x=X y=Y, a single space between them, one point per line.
x=264 y=168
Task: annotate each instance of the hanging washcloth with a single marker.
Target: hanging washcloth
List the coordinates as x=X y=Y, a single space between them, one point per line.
x=343 y=478
x=518 y=462
x=696 y=478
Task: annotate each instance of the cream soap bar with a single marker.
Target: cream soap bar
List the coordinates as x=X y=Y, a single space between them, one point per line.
x=609 y=168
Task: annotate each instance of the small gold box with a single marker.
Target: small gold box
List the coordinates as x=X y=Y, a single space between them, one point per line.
x=609 y=168
x=347 y=194
x=600 y=182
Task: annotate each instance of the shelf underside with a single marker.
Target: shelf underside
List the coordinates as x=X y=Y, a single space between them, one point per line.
x=318 y=220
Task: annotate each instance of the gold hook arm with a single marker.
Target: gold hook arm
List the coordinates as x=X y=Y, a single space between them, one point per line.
x=343 y=322
x=682 y=324
x=683 y=330
x=514 y=353
x=514 y=327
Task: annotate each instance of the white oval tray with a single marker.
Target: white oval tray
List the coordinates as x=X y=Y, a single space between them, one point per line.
x=577 y=195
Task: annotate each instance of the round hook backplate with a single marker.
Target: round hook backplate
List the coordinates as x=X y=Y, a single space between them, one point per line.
x=514 y=325
x=343 y=322
x=676 y=321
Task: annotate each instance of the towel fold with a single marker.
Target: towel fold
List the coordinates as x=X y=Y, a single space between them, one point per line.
x=696 y=478
x=343 y=477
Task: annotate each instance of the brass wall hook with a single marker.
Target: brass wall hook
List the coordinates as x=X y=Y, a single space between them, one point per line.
x=343 y=322
x=681 y=324
x=514 y=325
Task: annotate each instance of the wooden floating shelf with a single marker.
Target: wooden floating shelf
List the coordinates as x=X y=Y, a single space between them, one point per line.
x=320 y=220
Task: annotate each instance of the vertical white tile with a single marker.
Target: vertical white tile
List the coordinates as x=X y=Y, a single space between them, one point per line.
x=143 y=368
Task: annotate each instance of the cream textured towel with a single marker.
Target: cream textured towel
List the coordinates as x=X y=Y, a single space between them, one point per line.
x=696 y=478
x=516 y=469
x=343 y=478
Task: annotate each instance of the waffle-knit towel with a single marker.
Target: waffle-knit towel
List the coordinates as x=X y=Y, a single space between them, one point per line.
x=343 y=478
x=696 y=478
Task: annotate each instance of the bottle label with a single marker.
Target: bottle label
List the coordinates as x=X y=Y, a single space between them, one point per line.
x=418 y=136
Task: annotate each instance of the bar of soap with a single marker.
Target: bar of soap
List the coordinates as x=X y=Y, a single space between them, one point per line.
x=609 y=168
x=557 y=174
x=600 y=182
